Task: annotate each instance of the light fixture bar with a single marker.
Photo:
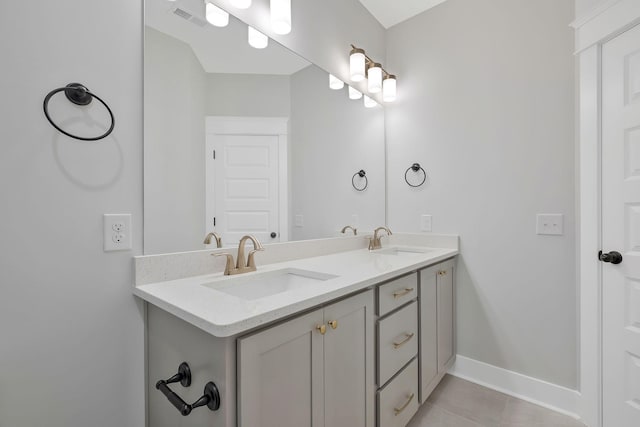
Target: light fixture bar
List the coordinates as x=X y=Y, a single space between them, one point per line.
x=369 y=61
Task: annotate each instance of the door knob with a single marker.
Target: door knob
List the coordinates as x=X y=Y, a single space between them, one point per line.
x=613 y=257
x=273 y=235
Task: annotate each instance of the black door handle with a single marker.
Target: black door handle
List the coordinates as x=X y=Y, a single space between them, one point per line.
x=613 y=257
x=273 y=235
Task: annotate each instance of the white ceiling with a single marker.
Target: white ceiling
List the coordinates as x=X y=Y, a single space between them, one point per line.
x=392 y=12
x=220 y=50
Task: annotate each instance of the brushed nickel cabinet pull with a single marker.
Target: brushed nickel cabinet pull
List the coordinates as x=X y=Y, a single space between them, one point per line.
x=403 y=292
x=404 y=341
x=399 y=410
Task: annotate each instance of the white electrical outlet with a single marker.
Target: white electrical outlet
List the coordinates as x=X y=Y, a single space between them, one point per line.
x=299 y=221
x=425 y=223
x=550 y=224
x=117 y=232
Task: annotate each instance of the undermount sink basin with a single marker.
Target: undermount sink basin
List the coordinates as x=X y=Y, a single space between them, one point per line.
x=402 y=251
x=263 y=285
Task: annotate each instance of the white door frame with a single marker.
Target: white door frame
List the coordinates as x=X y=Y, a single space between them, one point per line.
x=601 y=24
x=229 y=125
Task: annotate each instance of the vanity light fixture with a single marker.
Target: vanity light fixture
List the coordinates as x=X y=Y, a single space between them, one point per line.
x=241 y=4
x=354 y=93
x=361 y=66
x=335 y=83
x=369 y=103
x=281 y=16
x=216 y=16
x=389 y=93
x=257 y=39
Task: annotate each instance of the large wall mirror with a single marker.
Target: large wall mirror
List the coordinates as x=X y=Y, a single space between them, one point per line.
x=241 y=140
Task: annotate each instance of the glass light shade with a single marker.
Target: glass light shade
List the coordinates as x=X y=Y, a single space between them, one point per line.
x=374 y=75
x=257 y=39
x=389 y=91
x=354 y=93
x=335 y=83
x=216 y=16
x=281 y=16
x=241 y=4
x=357 y=65
x=369 y=103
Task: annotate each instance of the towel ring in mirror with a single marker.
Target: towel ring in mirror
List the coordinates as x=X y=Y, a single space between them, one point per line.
x=415 y=168
x=362 y=174
x=79 y=95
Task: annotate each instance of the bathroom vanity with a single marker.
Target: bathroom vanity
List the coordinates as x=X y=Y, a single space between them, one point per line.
x=325 y=333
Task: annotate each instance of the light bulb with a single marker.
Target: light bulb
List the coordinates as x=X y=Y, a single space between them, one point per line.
x=354 y=93
x=241 y=4
x=257 y=39
x=216 y=16
x=357 y=64
x=281 y=16
x=374 y=75
x=369 y=103
x=335 y=83
x=389 y=90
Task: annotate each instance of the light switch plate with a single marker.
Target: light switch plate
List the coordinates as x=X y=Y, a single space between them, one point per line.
x=550 y=224
x=299 y=221
x=117 y=232
x=425 y=223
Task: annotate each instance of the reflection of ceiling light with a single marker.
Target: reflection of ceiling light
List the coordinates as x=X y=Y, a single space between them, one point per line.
x=281 y=16
x=374 y=75
x=335 y=83
x=216 y=16
x=357 y=64
x=389 y=91
x=369 y=103
x=241 y=4
x=354 y=93
x=257 y=39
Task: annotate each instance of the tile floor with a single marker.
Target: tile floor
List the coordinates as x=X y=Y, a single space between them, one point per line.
x=459 y=403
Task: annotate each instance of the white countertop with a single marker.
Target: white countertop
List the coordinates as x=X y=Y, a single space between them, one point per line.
x=224 y=315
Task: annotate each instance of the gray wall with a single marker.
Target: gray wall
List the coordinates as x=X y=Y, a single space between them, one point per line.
x=583 y=6
x=72 y=351
x=333 y=137
x=486 y=106
x=174 y=110
x=248 y=95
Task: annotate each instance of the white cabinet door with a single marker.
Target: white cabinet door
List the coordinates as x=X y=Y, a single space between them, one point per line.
x=280 y=375
x=445 y=316
x=349 y=363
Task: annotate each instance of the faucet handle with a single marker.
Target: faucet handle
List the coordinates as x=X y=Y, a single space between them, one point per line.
x=229 y=264
x=251 y=262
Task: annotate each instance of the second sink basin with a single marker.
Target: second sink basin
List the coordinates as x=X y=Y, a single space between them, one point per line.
x=266 y=284
x=402 y=251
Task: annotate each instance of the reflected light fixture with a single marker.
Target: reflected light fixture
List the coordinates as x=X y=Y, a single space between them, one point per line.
x=281 y=16
x=216 y=16
x=335 y=83
x=374 y=76
x=257 y=39
x=389 y=91
x=241 y=4
x=354 y=93
x=357 y=63
x=369 y=103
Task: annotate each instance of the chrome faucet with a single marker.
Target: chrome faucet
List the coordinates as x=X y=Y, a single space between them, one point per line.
x=241 y=265
x=348 y=227
x=207 y=240
x=374 y=242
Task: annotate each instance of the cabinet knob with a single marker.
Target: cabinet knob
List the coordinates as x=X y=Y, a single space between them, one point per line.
x=333 y=324
x=322 y=329
x=442 y=273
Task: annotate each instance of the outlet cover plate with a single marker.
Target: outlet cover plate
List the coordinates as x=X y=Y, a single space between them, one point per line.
x=550 y=224
x=425 y=223
x=117 y=232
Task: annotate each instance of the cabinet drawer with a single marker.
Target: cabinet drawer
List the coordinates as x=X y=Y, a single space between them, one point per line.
x=398 y=400
x=397 y=341
x=396 y=293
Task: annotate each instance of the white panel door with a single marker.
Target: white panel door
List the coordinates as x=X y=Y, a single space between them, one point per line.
x=621 y=229
x=246 y=178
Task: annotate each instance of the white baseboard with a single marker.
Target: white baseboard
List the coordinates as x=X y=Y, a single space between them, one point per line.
x=543 y=393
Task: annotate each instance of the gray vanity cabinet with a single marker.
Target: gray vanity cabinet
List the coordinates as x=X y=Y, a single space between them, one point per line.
x=437 y=313
x=314 y=370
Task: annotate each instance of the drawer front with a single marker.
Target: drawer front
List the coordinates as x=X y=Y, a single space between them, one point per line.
x=398 y=400
x=396 y=293
x=397 y=341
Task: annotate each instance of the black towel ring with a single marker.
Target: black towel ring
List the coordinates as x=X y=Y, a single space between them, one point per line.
x=362 y=174
x=79 y=95
x=415 y=167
